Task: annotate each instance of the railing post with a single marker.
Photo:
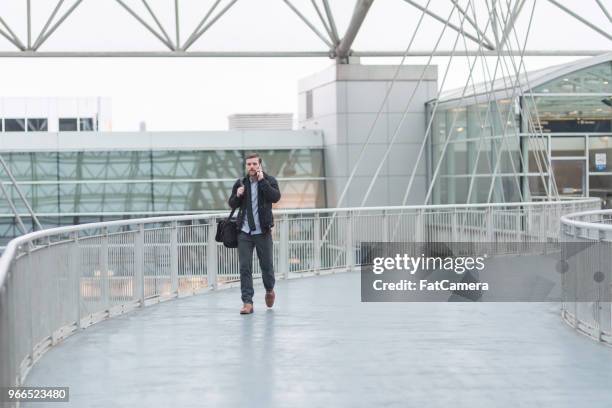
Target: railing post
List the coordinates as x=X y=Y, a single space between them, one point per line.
x=174 y=262
x=517 y=225
x=28 y=304
x=575 y=300
x=317 y=244
x=528 y=220
x=489 y=224
x=419 y=233
x=211 y=255
x=283 y=250
x=348 y=237
x=104 y=273
x=598 y=311
x=385 y=226
x=139 y=261
x=455 y=227
x=75 y=273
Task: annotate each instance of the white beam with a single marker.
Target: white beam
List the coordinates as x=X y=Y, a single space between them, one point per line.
x=443 y=21
x=581 y=19
x=210 y=24
x=144 y=24
x=604 y=9
x=59 y=22
x=308 y=23
x=285 y=54
x=359 y=14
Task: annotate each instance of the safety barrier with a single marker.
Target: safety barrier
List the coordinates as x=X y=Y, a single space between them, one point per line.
x=58 y=281
x=587 y=273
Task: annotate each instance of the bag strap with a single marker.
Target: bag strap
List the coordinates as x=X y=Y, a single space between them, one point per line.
x=232 y=213
x=234 y=209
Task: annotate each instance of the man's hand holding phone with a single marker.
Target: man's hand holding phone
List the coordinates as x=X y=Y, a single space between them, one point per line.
x=259 y=175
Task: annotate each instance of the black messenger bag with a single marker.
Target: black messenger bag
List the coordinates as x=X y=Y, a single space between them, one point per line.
x=227 y=231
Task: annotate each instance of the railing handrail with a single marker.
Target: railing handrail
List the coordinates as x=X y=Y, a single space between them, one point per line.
x=580 y=311
x=570 y=219
x=11 y=248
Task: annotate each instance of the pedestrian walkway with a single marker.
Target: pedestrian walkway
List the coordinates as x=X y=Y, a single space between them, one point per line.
x=320 y=346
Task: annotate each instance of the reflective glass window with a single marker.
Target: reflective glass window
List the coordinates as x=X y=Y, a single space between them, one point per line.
x=68 y=125
x=595 y=79
x=600 y=185
x=567 y=146
x=14 y=125
x=86 y=124
x=37 y=125
x=562 y=114
x=600 y=153
x=109 y=165
x=536 y=148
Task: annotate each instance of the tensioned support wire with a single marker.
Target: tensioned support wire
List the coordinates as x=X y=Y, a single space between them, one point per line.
x=491 y=104
x=505 y=122
x=509 y=117
x=534 y=123
x=379 y=114
x=436 y=105
x=428 y=132
x=515 y=173
x=526 y=113
x=407 y=107
x=442 y=156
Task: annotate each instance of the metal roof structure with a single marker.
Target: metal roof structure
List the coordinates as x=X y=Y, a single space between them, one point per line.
x=526 y=80
x=181 y=28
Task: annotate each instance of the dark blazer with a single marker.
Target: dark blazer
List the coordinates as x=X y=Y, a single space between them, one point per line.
x=267 y=194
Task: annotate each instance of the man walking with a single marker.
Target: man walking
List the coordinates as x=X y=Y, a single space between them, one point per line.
x=254 y=194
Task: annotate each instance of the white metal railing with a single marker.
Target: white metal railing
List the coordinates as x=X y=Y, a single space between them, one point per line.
x=57 y=281
x=587 y=273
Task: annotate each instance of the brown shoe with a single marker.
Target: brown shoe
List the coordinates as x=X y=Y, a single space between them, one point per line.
x=270 y=296
x=247 y=308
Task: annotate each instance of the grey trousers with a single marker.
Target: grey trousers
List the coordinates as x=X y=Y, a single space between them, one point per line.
x=263 y=244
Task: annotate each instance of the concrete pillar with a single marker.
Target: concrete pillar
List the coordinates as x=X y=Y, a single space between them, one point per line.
x=343 y=101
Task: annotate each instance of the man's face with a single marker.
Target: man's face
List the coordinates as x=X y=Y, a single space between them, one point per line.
x=252 y=165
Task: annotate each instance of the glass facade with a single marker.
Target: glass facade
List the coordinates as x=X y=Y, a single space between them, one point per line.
x=88 y=186
x=468 y=146
x=563 y=124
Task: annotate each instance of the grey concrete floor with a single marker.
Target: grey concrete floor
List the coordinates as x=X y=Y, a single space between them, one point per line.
x=320 y=346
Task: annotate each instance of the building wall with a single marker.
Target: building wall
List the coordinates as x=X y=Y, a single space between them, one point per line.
x=502 y=150
x=52 y=109
x=344 y=101
x=79 y=177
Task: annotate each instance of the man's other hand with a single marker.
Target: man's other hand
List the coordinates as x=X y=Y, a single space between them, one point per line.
x=240 y=191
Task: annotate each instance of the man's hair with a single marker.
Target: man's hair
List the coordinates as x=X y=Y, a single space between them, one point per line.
x=252 y=155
